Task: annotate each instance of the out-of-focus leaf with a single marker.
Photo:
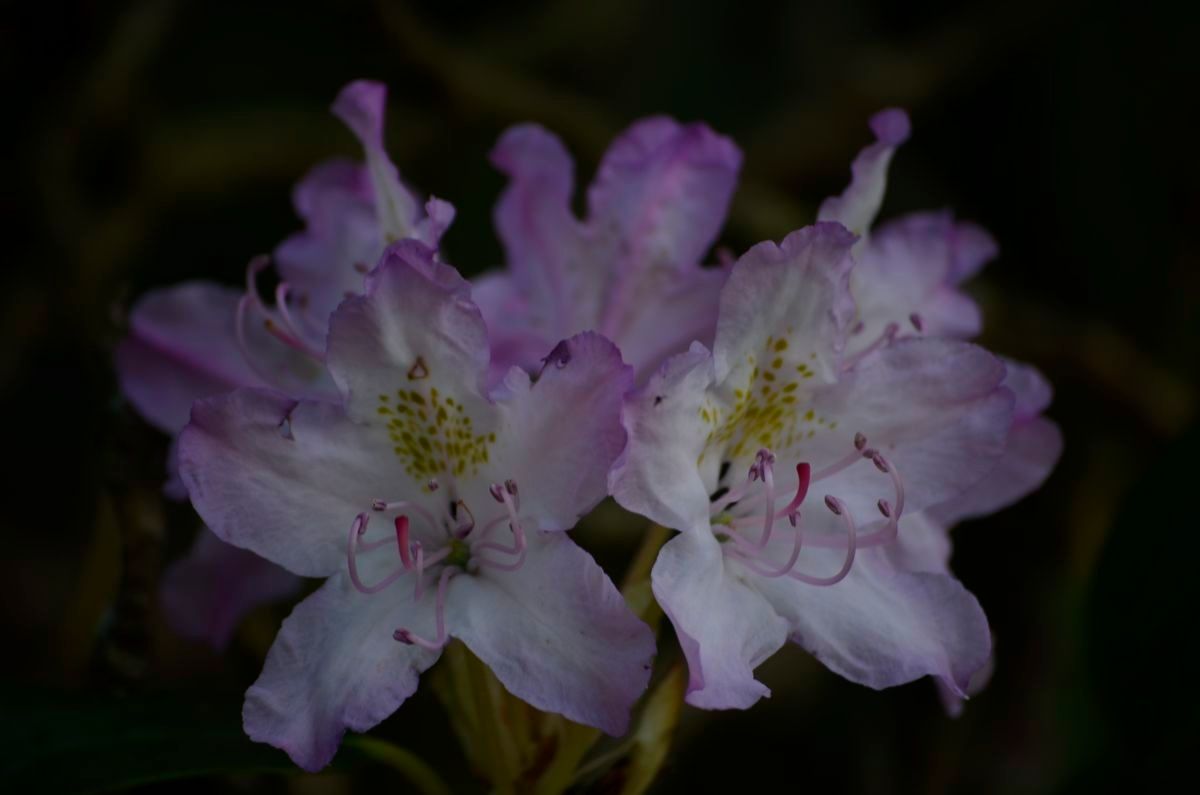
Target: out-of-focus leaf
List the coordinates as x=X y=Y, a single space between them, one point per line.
x=654 y=732
x=71 y=743
x=421 y=775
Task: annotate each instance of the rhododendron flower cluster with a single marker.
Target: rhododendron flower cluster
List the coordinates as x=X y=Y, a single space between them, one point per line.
x=810 y=419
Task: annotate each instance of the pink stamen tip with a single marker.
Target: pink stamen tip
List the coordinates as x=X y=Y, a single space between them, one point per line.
x=510 y=486
x=885 y=509
x=916 y=321
x=361 y=267
x=496 y=492
x=858 y=328
x=360 y=523
x=408 y=637
x=833 y=504
x=891 y=331
x=794 y=518
x=433 y=485
x=379 y=505
x=402 y=541
x=880 y=463
x=860 y=441
x=804 y=477
x=870 y=452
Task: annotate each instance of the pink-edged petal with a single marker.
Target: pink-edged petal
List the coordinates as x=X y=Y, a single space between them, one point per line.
x=335 y=666
x=362 y=105
x=206 y=593
x=1033 y=449
x=664 y=189
x=284 y=479
x=726 y=629
x=557 y=436
x=910 y=268
x=953 y=700
x=858 y=205
x=972 y=248
x=950 y=313
x=181 y=347
x=439 y=214
x=882 y=626
x=341 y=240
x=515 y=340
x=557 y=634
x=1034 y=446
x=935 y=408
x=798 y=292
x=670 y=318
x=1033 y=392
x=542 y=238
x=658 y=475
x=414 y=330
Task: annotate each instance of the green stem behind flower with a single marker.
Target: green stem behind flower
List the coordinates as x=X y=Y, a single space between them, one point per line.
x=424 y=778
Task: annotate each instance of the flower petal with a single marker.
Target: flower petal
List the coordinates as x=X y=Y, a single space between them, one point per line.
x=664 y=189
x=335 y=666
x=415 y=330
x=558 y=436
x=922 y=544
x=881 y=626
x=557 y=634
x=206 y=593
x=542 y=238
x=936 y=410
x=858 y=205
x=911 y=266
x=726 y=629
x=181 y=346
x=1033 y=448
x=341 y=241
x=670 y=318
x=515 y=341
x=284 y=479
x=972 y=247
x=362 y=105
x=657 y=475
x=797 y=291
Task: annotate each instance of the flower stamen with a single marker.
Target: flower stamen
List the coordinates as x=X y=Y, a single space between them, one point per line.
x=410 y=638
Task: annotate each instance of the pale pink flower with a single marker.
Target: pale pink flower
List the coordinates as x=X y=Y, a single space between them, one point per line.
x=434 y=506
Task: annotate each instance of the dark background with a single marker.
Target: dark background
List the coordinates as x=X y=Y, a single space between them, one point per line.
x=157 y=141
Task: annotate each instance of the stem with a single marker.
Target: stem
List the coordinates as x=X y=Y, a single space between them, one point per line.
x=636 y=585
x=423 y=777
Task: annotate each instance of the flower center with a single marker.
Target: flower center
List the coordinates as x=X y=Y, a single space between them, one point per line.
x=455 y=545
x=767 y=410
x=736 y=513
x=432 y=433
